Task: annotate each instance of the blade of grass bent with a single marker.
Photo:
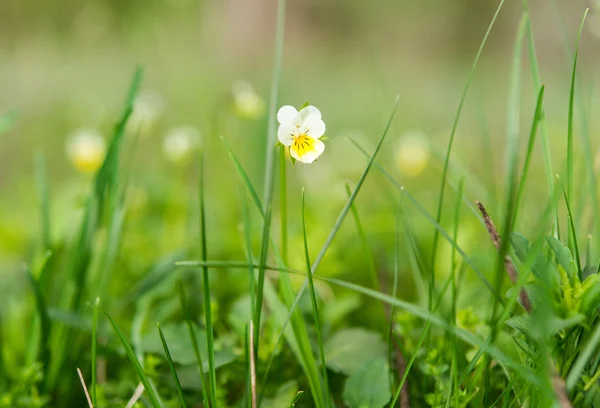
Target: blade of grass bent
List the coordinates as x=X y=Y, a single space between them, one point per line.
x=571 y=227
x=422 y=313
x=449 y=150
x=171 y=366
x=136 y=364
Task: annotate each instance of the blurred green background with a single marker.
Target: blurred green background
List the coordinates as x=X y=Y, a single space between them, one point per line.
x=66 y=65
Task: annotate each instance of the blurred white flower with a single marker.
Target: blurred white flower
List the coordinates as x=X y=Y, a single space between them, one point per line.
x=180 y=143
x=246 y=102
x=301 y=131
x=147 y=109
x=86 y=149
x=412 y=153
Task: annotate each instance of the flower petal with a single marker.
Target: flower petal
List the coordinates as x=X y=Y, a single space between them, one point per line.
x=306 y=149
x=286 y=133
x=286 y=115
x=310 y=112
x=314 y=127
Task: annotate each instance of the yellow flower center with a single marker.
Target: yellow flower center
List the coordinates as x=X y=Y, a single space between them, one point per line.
x=303 y=144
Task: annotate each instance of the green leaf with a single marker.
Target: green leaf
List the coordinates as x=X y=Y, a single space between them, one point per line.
x=293 y=161
x=368 y=387
x=323 y=138
x=181 y=347
x=563 y=256
x=350 y=349
x=303 y=106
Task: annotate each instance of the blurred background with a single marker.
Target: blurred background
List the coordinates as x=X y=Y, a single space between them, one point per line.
x=65 y=67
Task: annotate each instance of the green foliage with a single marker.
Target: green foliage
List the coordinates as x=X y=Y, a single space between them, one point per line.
x=368 y=387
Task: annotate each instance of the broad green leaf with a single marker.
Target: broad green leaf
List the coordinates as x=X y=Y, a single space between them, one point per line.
x=350 y=349
x=368 y=387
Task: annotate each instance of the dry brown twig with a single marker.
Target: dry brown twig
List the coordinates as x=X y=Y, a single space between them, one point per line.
x=557 y=382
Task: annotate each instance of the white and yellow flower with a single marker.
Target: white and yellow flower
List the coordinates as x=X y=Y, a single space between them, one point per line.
x=301 y=131
x=180 y=142
x=86 y=150
x=246 y=102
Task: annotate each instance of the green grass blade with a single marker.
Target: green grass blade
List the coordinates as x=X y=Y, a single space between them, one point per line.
x=95 y=349
x=570 y=164
x=44 y=197
x=273 y=101
x=545 y=139
x=136 y=364
x=364 y=243
x=196 y=348
x=171 y=366
x=264 y=253
x=438 y=218
x=313 y=298
x=512 y=153
x=212 y=376
x=244 y=176
x=530 y=145
x=571 y=227
x=42 y=310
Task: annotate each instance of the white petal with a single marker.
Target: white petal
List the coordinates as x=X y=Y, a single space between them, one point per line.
x=286 y=115
x=309 y=156
x=285 y=133
x=310 y=112
x=314 y=128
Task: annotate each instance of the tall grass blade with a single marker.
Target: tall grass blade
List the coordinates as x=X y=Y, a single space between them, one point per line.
x=545 y=139
x=44 y=197
x=449 y=149
x=313 y=298
x=42 y=310
x=570 y=164
x=136 y=364
x=537 y=116
x=205 y=394
x=212 y=376
x=571 y=227
x=95 y=311
x=171 y=366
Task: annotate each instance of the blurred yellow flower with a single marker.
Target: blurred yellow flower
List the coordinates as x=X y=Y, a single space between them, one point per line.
x=246 y=102
x=147 y=109
x=412 y=153
x=86 y=150
x=301 y=131
x=180 y=143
